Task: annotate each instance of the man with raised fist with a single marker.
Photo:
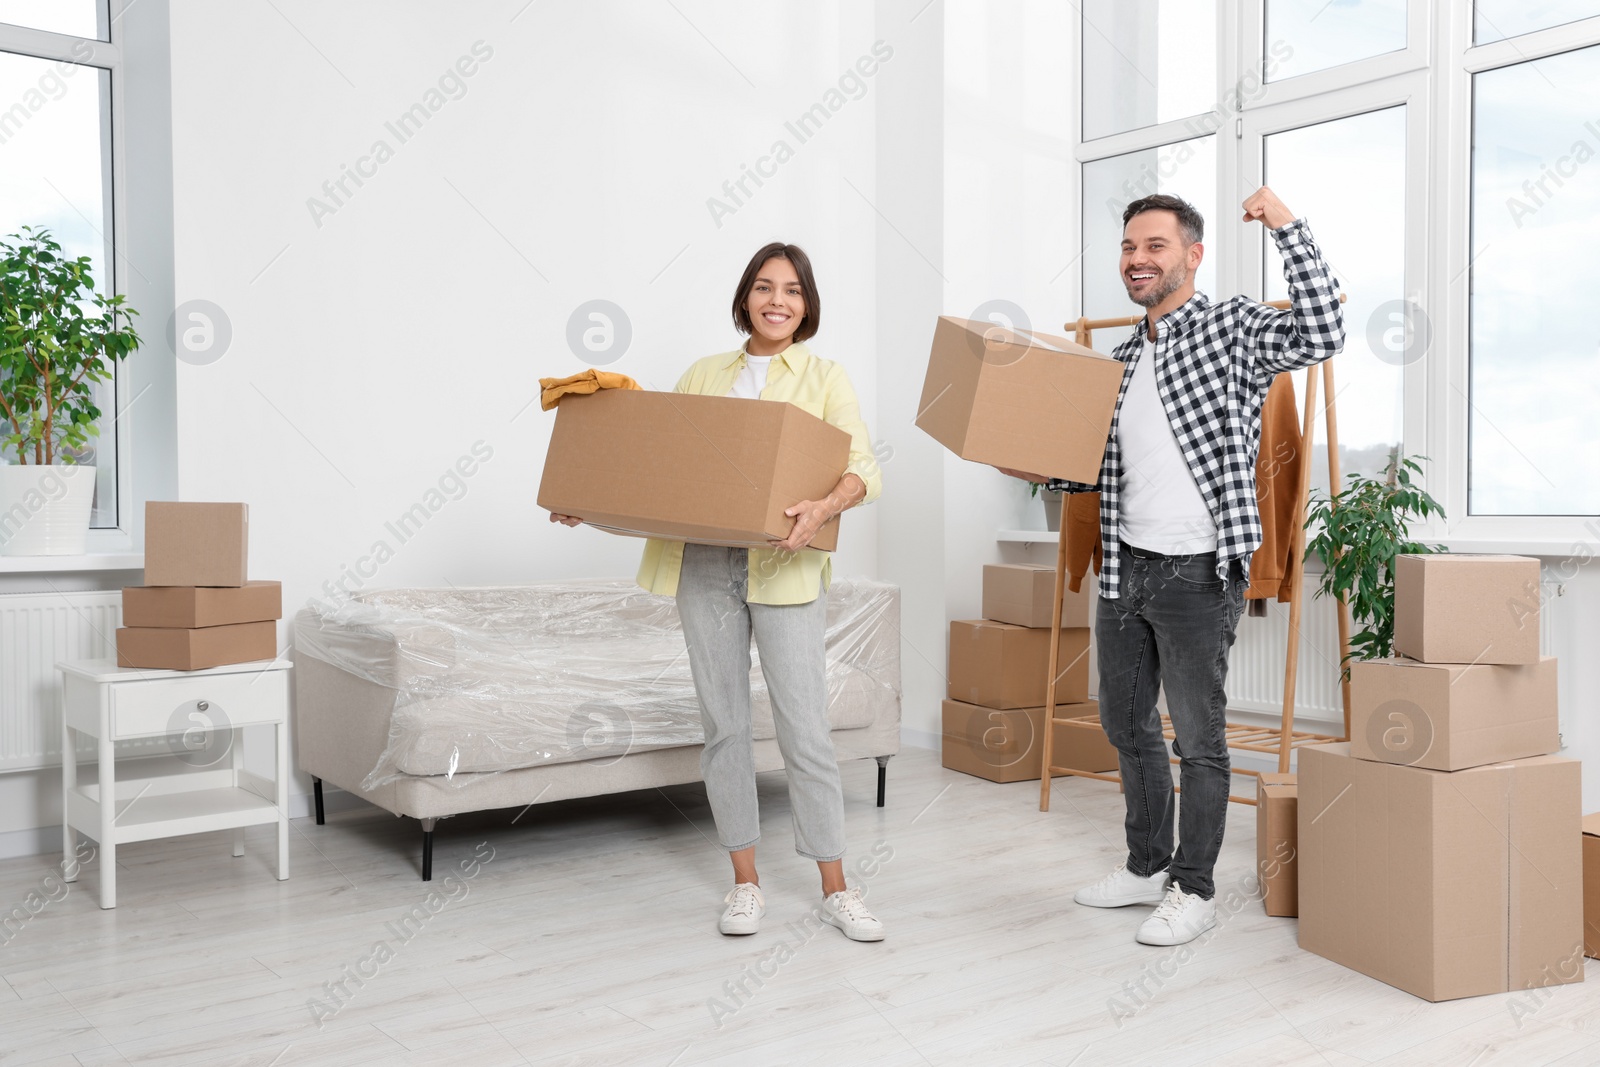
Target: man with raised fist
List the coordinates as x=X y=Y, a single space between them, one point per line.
x=1178 y=524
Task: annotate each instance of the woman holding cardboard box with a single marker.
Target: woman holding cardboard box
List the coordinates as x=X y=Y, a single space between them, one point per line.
x=777 y=594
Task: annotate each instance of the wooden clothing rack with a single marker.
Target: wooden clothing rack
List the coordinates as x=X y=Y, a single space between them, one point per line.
x=1282 y=741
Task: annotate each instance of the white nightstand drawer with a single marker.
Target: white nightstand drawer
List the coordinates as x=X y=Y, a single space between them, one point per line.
x=140 y=709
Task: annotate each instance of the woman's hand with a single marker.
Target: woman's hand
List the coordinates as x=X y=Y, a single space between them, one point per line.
x=566 y=520
x=809 y=516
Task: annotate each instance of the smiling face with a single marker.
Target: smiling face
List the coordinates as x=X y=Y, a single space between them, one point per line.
x=1157 y=264
x=776 y=306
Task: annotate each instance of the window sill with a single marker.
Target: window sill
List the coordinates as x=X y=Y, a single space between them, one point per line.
x=94 y=561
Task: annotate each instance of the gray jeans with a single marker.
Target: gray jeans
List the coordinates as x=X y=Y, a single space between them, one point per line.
x=1170 y=630
x=717 y=627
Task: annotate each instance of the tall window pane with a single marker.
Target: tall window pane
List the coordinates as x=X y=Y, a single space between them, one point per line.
x=1187 y=169
x=1535 y=367
x=76 y=18
x=1362 y=238
x=55 y=174
x=1307 y=35
x=1147 y=63
x=1495 y=20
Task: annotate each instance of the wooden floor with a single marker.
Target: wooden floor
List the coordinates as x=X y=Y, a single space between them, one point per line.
x=590 y=937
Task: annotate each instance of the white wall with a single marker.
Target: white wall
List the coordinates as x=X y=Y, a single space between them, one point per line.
x=372 y=351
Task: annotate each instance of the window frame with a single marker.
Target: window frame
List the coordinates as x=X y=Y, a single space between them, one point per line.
x=102 y=56
x=1432 y=77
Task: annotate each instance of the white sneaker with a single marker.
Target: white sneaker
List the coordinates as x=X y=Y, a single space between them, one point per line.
x=849 y=913
x=1179 y=919
x=1121 y=888
x=745 y=907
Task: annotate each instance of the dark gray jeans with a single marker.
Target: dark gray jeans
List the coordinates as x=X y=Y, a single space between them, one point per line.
x=1170 y=629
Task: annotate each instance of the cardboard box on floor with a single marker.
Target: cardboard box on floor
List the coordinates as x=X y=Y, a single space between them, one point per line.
x=193 y=649
x=189 y=607
x=1452 y=607
x=1004 y=746
x=712 y=470
x=1449 y=717
x=1022 y=593
x=1030 y=401
x=999 y=665
x=1591 y=885
x=1277 y=843
x=1444 y=884
x=196 y=543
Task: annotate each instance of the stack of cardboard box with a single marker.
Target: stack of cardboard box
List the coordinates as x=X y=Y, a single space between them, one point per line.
x=999 y=669
x=1440 y=847
x=199 y=609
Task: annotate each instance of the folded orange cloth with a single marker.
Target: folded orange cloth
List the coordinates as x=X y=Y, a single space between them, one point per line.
x=589 y=381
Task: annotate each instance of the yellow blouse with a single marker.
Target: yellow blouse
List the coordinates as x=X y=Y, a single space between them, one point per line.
x=818 y=386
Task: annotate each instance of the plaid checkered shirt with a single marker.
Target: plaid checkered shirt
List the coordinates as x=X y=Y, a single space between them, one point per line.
x=1214 y=363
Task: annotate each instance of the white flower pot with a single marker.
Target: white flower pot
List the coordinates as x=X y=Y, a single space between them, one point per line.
x=44 y=510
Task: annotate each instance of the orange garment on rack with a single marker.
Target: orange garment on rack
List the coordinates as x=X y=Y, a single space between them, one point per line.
x=589 y=381
x=1278 y=488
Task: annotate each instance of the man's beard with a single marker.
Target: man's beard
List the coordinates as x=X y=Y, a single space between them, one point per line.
x=1159 y=290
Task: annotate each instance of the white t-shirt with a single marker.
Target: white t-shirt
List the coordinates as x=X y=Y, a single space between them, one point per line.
x=1161 y=508
x=752 y=378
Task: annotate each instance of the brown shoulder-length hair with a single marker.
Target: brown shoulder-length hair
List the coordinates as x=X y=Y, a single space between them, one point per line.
x=808 y=288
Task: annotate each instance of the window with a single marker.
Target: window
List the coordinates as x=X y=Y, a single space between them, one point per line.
x=75 y=18
x=1535 y=367
x=1309 y=35
x=1445 y=156
x=56 y=173
x=1146 y=63
x=1495 y=20
x=1363 y=239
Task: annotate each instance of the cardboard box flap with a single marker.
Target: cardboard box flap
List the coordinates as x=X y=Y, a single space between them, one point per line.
x=1591 y=825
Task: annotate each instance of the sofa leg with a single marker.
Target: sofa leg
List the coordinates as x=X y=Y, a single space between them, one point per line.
x=883 y=775
x=316 y=790
x=427 y=849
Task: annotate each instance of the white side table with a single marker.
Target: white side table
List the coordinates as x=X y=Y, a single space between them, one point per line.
x=202 y=712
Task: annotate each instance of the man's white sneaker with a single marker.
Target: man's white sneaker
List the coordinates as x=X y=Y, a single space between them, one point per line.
x=849 y=913
x=1121 y=888
x=1180 y=918
x=745 y=907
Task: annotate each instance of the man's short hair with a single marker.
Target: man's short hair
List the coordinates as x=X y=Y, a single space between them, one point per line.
x=1190 y=221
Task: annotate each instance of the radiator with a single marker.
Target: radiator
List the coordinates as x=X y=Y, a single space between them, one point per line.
x=36 y=630
x=1255 y=666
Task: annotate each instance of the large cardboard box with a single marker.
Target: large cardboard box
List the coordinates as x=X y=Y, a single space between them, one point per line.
x=1444 y=884
x=1030 y=401
x=1005 y=746
x=1022 y=593
x=196 y=543
x=1000 y=665
x=188 y=606
x=190 y=650
x=713 y=470
x=1277 y=843
x=1450 y=716
x=1591 y=885
x=1461 y=608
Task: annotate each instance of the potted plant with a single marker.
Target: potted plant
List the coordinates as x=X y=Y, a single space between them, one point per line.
x=1358 y=534
x=1052 y=505
x=58 y=338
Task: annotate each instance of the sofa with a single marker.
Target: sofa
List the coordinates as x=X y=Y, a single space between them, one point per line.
x=436 y=702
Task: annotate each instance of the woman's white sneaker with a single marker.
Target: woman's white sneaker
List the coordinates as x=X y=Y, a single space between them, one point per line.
x=745 y=907
x=1121 y=888
x=1180 y=918
x=849 y=913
